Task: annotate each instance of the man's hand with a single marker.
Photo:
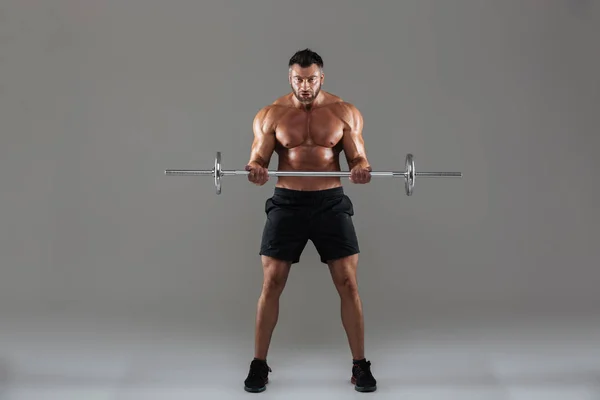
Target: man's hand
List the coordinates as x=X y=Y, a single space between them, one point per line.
x=360 y=174
x=257 y=174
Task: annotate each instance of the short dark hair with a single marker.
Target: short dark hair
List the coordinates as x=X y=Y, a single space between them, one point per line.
x=305 y=58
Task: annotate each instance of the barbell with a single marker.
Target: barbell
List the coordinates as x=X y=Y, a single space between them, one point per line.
x=409 y=173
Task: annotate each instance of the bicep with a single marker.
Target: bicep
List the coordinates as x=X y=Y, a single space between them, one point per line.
x=263 y=142
x=353 y=141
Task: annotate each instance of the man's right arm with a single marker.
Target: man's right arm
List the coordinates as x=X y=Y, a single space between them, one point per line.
x=263 y=145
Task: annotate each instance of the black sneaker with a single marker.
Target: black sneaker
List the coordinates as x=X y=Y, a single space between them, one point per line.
x=362 y=378
x=258 y=376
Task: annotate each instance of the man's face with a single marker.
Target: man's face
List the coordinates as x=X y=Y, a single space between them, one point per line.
x=306 y=82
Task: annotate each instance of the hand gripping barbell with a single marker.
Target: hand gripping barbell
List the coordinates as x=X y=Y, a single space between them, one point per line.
x=409 y=174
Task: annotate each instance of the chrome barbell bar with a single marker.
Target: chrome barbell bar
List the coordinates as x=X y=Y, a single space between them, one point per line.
x=409 y=173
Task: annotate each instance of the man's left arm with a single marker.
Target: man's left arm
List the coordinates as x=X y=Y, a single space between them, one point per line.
x=354 y=146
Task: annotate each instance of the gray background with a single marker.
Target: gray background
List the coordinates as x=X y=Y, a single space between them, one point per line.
x=98 y=98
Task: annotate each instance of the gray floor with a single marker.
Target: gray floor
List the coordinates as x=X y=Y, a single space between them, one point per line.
x=145 y=356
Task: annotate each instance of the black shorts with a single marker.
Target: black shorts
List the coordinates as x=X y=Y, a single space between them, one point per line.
x=323 y=217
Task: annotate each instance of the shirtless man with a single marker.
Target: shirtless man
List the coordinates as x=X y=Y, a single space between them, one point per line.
x=308 y=128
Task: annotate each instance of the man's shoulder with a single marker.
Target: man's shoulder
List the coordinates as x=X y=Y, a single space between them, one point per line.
x=278 y=106
x=335 y=99
x=347 y=108
x=266 y=117
x=272 y=109
x=346 y=111
x=337 y=102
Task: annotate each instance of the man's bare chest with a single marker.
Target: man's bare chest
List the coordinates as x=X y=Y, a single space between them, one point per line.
x=318 y=127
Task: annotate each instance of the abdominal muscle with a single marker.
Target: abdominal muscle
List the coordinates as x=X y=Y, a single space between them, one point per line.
x=308 y=158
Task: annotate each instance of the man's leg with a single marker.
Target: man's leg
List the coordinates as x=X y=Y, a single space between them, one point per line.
x=343 y=273
x=275 y=274
x=336 y=241
x=283 y=240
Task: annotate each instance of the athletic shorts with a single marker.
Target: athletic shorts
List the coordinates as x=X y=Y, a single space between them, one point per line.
x=294 y=217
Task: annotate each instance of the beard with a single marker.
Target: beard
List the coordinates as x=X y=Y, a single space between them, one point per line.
x=306 y=99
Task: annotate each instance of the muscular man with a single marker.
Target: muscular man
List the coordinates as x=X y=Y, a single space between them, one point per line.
x=309 y=128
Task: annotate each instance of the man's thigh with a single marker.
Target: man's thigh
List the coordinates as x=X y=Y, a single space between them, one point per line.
x=285 y=233
x=333 y=232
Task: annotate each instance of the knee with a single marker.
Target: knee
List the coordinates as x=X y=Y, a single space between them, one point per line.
x=273 y=286
x=347 y=287
x=275 y=276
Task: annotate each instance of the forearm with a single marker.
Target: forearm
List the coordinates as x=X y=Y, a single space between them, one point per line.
x=257 y=159
x=360 y=162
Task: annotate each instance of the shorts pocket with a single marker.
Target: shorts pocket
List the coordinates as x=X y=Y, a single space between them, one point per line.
x=269 y=206
x=343 y=205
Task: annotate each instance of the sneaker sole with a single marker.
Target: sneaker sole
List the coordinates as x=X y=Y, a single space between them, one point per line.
x=365 y=389
x=362 y=389
x=255 y=390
